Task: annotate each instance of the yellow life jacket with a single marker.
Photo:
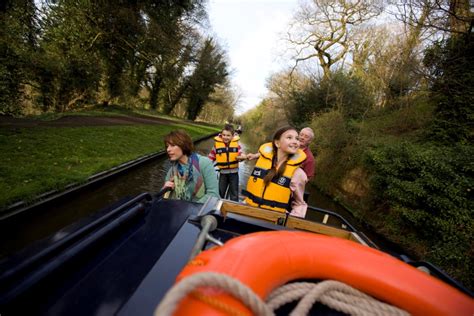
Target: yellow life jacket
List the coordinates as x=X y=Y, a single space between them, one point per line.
x=276 y=195
x=226 y=156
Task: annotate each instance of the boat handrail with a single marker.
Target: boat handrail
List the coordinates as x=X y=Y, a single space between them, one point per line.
x=331 y=213
x=226 y=208
x=208 y=224
x=305 y=225
x=437 y=272
x=278 y=218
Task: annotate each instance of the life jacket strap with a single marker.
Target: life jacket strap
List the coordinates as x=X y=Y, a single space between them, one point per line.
x=227 y=163
x=260 y=201
x=224 y=150
x=261 y=173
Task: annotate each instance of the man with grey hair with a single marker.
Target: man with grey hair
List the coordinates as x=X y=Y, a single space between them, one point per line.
x=305 y=136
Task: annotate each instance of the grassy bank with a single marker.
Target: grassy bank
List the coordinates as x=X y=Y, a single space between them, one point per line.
x=40 y=159
x=110 y=110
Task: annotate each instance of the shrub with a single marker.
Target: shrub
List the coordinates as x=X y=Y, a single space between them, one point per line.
x=428 y=191
x=452 y=66
x=333 y=142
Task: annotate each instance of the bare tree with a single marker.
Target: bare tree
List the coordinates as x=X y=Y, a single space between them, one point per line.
x=445 y=16
x=324 y=29
x=375 y=50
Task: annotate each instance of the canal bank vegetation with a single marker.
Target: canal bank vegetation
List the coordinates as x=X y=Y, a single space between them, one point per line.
x=393 y=127
x=61 y=56
x=39 y=159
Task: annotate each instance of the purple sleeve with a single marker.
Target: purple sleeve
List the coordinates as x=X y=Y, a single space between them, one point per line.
x=308 y=166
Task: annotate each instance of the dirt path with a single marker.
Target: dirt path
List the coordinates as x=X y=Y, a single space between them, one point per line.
x=75 y=121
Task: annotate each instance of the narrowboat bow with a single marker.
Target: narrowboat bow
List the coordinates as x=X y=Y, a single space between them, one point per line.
x=167 y=257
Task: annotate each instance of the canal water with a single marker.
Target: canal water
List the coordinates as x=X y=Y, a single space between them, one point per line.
x=20 y=231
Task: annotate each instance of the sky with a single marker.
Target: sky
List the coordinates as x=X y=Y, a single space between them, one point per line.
x=251 y=32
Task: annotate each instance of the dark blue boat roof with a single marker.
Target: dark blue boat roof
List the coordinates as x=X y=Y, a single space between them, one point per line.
x=120 y=261
x=101 y=278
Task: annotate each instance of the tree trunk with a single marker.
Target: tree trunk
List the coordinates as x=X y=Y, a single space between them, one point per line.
x=155 y=91
x=460 y=19
x=170 y=105
x=194 y=108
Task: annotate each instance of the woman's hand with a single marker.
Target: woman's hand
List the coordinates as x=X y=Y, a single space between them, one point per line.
x=169 y=184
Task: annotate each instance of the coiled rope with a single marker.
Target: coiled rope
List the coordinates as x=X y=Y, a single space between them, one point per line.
x=217 y=280
x=334 y=294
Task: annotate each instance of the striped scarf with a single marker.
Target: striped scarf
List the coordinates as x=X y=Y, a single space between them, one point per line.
x=188 y=181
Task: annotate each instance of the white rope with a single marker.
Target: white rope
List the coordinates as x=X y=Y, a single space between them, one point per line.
x=296 y=290
x=334 y=294
x=221 y=281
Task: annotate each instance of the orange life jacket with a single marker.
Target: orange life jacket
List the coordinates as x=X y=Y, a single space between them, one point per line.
x=226 y=156
x=276 y=195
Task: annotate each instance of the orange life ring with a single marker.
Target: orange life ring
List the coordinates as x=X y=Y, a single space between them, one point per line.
x=267 y=260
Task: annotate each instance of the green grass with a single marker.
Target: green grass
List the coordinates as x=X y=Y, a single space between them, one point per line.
x=390 y=126
x=37 y=160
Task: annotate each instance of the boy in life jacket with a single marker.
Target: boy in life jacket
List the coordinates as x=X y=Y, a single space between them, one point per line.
x=227 y=153
x=277 y=182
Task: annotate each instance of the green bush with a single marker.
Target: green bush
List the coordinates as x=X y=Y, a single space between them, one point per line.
x=333 y=145
x=427 y=188
x=408 y=122
x=452 y=66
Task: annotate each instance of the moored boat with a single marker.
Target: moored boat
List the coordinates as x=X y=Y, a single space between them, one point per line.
x=125 y=261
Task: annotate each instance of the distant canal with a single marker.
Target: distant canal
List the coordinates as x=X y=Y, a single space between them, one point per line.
x=18 y=232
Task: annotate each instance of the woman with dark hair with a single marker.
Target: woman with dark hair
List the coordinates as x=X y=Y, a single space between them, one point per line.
x=277 y=182
x=191 y=177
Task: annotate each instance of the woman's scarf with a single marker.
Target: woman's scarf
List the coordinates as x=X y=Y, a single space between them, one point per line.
x=188 y=181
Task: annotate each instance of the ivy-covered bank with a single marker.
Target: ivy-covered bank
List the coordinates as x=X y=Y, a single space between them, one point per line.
x=409 y=171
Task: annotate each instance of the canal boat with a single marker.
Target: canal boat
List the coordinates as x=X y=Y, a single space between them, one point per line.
x=148 y=255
